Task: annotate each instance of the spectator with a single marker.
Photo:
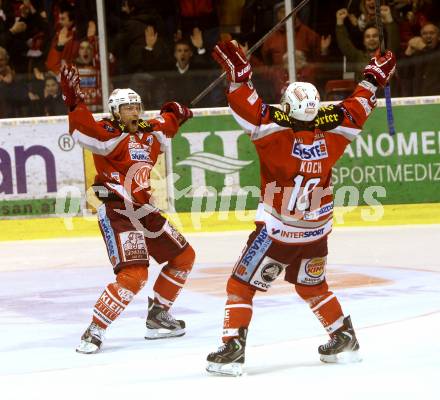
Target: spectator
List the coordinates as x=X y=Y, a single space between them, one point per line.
x=273 y=80
x=424 y=52
x=6 y=22
x=53 y=103
x=201 y=14
x=411 y=15
x=36 y=90
x=370 y=39
x=88 y=65
x=138 y=15
x=190 y=74
x=257 y=18
x=7 y=75
x=368 y=15
x=90 y=75
x=152 y=55
x=64 y=46
x=306 y=40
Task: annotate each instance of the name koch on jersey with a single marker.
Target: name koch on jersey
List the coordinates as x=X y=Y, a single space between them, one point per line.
x=315 y=151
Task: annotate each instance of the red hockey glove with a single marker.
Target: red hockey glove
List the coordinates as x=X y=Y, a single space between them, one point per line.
x=181 y=112
x=232 y=59
x=70 y=88
x=381 y=68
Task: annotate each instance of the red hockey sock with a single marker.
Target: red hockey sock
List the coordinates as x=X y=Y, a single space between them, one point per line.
x=110 y=304
x=238 y=308
x=324 y=305
x=172 y=278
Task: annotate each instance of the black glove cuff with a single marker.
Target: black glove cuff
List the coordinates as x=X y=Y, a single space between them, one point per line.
x=371 y=79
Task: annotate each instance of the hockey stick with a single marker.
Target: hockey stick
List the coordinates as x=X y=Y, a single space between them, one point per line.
x=250 y=51
x=390 y=117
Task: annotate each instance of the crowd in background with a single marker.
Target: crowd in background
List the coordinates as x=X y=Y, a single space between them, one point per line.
x=162 y=48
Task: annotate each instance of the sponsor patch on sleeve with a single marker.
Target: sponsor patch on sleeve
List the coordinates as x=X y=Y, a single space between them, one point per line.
x=365 y=105
x=252 y=98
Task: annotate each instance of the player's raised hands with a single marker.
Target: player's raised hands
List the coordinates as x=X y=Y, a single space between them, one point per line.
x=181 y=112
x=70 y=86
x=381 y=68
x=232 y=59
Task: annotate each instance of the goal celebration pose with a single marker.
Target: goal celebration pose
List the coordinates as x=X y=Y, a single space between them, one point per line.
x=125 y=148
x=297 y=148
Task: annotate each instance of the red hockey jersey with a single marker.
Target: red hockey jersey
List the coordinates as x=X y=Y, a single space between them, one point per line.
x=123 y=161
x=296 y=202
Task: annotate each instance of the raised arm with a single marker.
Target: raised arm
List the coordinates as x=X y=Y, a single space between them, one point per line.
x=359 y=105
x=98 y=137
x=248 y=109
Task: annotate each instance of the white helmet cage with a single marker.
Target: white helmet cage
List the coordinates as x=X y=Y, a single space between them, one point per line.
x=301 y=101
x=120 y=97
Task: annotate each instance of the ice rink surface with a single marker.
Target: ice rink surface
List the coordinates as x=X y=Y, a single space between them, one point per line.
x=387 y=279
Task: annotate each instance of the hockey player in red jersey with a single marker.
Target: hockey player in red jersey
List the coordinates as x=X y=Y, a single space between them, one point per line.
x=125 y=148
x=297 y=148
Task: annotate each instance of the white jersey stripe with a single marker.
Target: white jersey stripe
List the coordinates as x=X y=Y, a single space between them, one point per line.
x=258 y=132
x=348 y=133
x=163 y=140
x=96 y=146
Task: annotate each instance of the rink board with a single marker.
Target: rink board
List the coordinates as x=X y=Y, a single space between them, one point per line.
x=87 y=226
x=211 y=167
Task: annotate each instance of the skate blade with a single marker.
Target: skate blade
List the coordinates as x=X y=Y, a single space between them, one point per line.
x=87 y=348
x=161 y=333
x=346 y=357
x=231 y=369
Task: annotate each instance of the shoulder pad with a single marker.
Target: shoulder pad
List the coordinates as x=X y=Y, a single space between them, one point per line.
x=329 y=117
x=280 y=117
x=145 y=126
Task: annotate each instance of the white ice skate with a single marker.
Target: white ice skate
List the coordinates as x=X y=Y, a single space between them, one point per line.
x=91 y=340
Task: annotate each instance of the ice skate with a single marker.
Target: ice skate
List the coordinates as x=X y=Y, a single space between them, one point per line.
x=161 y=324
x=229 y=358
x=342 y=347
x=91 y=340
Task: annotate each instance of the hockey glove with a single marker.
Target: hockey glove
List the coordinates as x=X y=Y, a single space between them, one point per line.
x=181 y=112
x=232 y=59
x=381 y=68
x=70 y=88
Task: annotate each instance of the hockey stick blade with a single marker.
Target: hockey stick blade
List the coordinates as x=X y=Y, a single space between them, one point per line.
x=250 y=51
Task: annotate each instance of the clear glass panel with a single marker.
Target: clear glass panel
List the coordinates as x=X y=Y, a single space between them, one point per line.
x=36 y=37
x=162 y=49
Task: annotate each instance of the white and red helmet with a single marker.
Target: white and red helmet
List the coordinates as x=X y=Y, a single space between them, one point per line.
x=122 y=96
x=301 y=101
